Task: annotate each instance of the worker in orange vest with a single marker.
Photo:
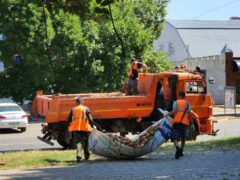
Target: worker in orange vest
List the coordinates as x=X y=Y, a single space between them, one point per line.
x=79 y=120
x=134 y=69
x=182 y=119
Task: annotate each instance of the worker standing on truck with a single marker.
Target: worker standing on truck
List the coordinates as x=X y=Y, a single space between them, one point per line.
x=182 y=119
x=134 y=69
x=79 y=120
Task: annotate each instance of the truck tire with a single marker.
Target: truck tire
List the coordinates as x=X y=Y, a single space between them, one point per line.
x=61 y=141
x=191 y=135
x=63 y=135
x=67 y=141
x=118 y=126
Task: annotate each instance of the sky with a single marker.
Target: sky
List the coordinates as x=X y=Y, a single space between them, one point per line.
x=203 y=9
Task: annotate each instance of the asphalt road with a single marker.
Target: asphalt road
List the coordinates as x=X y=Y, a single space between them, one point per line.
x=11 y=140
x=14 y=140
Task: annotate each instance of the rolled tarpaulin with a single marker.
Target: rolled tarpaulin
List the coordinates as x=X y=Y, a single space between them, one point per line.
x=103 y=145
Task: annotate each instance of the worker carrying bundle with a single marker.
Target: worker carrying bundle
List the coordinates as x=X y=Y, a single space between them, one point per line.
x=117 y=147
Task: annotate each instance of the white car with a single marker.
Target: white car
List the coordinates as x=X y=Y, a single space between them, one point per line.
x=12 y=116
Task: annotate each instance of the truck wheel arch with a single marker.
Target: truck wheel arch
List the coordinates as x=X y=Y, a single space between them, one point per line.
x=196 y=121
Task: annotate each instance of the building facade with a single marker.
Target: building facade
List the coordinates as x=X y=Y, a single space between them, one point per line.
x=225 y=69
x=184 y=39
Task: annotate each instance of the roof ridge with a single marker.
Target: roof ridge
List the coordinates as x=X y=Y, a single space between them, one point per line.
x=204 y=24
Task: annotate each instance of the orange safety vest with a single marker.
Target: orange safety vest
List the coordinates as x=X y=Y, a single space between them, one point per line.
x=133 y=66
x=181 y=108
x=79 y=119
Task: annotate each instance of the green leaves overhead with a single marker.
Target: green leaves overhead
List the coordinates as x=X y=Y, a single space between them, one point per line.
x=101 y=10
x=104 y=2
x=80 y=41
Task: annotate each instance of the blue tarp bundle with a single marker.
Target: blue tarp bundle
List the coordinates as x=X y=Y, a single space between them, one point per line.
x=103 y=145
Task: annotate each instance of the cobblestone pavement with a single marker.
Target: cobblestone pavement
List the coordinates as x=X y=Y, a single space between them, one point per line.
x=208 y=165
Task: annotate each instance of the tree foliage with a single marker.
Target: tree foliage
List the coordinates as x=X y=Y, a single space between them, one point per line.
x=72 y=46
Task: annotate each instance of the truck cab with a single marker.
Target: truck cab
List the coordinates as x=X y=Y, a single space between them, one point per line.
x=194 y=85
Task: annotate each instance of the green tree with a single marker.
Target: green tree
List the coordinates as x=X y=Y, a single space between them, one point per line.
x=23 y=34
x=72 y=46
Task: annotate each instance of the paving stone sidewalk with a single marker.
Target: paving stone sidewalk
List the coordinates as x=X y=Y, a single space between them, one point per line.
x=209 y=165
x=219 y=110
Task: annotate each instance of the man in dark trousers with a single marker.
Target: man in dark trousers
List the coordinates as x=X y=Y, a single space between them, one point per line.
x=182 y=119
x=134 y=69
x=79 y=120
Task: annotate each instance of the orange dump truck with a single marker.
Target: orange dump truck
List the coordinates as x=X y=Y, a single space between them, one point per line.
x=118 y=112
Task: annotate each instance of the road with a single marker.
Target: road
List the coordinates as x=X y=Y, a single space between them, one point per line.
x=13 y=140
x=228 y=126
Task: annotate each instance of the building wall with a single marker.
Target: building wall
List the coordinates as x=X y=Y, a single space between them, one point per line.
x=215 y=67
x=170 y=37
x=232 y=78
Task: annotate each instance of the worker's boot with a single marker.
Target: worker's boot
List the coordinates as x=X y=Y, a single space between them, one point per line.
x=79 y=159
x=87 y=156
x=177 y=153
x=180 y=152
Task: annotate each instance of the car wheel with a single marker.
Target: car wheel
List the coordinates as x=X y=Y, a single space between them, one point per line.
x=23 y=129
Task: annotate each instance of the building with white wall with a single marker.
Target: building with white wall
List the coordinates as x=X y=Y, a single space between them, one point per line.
x=219 y=67
x=215 y=67
x=182 y=39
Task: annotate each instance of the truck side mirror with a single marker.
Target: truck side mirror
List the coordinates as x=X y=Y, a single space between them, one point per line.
x=211 y=80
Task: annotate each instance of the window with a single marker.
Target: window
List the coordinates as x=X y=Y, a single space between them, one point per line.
x=161 y=47
x=9 y=108
x=195 y=87
x=170 y=48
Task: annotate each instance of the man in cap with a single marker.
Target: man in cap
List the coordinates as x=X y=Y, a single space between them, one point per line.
x=79 y=120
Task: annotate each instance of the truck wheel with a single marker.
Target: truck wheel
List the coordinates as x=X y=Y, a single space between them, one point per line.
x=118 y=126
x=63 y=137
x=67 y=141
x=61 y=141
x=191 y=135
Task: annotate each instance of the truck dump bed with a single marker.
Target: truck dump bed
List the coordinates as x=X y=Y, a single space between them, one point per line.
x=56 y=108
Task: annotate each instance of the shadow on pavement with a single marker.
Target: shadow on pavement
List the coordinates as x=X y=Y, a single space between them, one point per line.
x=9 y=131
x=26 y=150
x=68 y=171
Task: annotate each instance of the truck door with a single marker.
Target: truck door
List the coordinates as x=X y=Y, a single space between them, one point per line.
x=200 y=102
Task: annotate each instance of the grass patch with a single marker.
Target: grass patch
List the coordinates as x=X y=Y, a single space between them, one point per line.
x=203 y=146
x=38 y=158
x=35 y=158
